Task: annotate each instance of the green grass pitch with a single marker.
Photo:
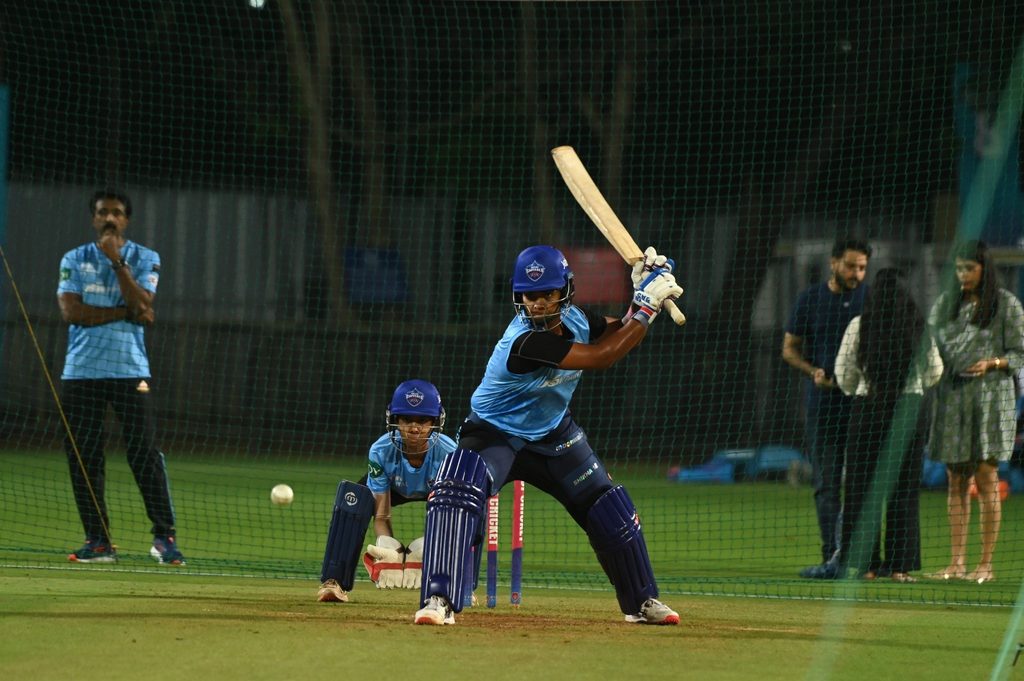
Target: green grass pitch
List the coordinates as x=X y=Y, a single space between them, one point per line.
x=741 y=539
x=243 y=607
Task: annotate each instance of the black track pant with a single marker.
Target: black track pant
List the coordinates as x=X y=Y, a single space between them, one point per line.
x=85 y=403
x=883 y=479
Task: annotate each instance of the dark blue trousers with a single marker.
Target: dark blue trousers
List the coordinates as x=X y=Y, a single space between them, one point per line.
x=85 y=405
x=828 y=420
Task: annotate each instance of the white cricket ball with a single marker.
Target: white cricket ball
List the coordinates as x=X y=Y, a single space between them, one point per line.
x=282 y=495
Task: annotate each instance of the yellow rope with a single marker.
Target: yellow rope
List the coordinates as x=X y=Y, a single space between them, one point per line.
x=56 y=396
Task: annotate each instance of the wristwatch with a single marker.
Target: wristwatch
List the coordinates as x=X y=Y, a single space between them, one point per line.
x=121 y=262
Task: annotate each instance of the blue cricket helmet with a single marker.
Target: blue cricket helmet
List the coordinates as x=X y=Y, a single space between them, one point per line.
x=540 y=268
x=416 y=397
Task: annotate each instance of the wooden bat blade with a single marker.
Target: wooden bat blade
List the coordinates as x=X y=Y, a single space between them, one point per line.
x=592 y=201
x=590 y=198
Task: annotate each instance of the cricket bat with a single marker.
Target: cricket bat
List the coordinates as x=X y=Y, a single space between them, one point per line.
x=596 y=206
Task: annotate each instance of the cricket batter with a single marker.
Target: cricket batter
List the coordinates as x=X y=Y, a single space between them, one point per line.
x=520 y=428
x=402 y=466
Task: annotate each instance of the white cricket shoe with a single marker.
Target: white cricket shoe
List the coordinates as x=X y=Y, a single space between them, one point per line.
x=436 y=611
x=331 y=592
x=654 y=611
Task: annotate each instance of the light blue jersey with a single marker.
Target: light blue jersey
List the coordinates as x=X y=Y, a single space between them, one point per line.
x=528 y=406
x=389 y=470
x=117 y=349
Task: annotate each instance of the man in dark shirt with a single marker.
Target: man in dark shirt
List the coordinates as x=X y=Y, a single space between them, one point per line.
x=813 y=335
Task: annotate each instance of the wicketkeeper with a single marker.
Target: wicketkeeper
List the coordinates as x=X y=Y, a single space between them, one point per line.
x=520 y=428
x=402 y=467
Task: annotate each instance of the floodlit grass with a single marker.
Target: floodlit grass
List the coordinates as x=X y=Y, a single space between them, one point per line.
x=53 y=624
x=243 y=607
x=741 y=539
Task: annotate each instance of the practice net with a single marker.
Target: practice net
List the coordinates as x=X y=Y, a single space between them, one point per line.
x=337 y=192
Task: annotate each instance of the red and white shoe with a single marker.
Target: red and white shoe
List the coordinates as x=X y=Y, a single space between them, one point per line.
x=436 y=611
x=654 y=611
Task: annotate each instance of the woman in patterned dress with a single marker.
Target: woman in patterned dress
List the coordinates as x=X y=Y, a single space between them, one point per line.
x=979 y=328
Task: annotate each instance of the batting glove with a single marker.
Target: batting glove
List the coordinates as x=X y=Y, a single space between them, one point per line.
x=648 y=299
x=413 y=574
x=652 y=260
x=384 y=561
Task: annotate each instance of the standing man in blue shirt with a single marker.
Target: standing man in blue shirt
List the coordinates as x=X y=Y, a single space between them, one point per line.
x=813 y=335
x=106 y=294
x=521 y=428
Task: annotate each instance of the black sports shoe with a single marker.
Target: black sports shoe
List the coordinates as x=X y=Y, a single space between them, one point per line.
x=165 y=550
x=94 y=551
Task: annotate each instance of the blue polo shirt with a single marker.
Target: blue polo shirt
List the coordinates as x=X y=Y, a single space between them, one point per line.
x=117 y=349
x=820 y=318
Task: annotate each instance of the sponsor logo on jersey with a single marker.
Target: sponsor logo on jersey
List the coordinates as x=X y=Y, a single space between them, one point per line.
x=560 y=378
x=534 y=271
x=99 y=288
x=375 y=470
x=414 y=397
x=152 y=279
x=88 y=268
x=65 y=273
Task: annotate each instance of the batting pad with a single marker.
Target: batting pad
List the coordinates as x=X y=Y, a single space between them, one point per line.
x=353 y=510
x=618 y=540
x=455 y=513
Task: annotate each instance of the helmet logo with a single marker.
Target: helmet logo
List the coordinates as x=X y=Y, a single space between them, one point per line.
x=414 y=397
x=534 y=271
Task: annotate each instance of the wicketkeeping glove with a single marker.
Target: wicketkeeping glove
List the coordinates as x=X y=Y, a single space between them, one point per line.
x=413 y=565
x=652 y=260
x=384 y=561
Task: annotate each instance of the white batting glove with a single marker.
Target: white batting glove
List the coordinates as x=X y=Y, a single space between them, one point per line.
x=413 y=574
x=662 y=287
x=648 y=299
x=652 y=260
x=384 y=561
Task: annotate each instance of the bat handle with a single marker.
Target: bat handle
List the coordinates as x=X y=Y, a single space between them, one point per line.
x=677 y=315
